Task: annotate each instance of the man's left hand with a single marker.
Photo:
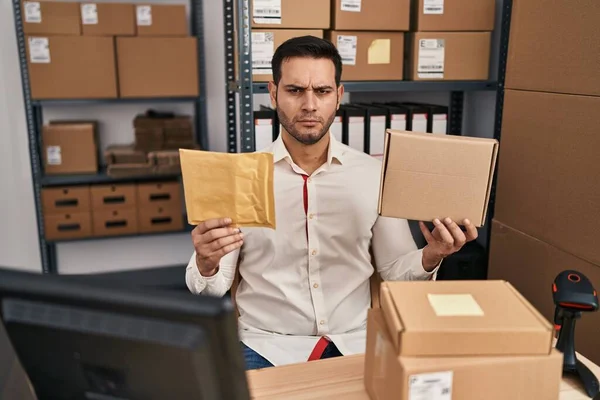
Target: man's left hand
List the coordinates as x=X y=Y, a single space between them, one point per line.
x=447 y=238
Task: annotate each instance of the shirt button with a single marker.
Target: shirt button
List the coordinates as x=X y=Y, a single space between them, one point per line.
x=322 y=322
x=308 y=180
x=314 y=253
x=316 y=285
x=311 y=216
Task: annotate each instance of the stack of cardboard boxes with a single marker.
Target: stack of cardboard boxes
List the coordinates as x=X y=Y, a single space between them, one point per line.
x=548 y=196
x=108 y=50
x=467 y=340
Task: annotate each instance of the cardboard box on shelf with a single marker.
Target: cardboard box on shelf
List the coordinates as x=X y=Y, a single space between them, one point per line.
x=290 y=14
x=163 y=194
x=154 y=66
x=113 y=197
x=113 y=222
x=463 y=318
x=67 y=226
x=66 y=200
x=129 y=170
x=453 y=15
x=392 y=377
x=549 y=168
x=70 y=148
x=71 y=67
x=159 y=218
x=551 y=50
x=531 y=265
x=370 y=55
x=371 y=15
x=264 y=43
x=161 y=20
x=149 y=139
x=449 y=56
x=107 y=19
x=426 y=176
x=124 y=154
x=50 y=18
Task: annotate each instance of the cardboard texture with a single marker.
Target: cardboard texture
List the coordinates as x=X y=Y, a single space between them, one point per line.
x=427 y=176
x=129 y=170
x=553 y=47
x=75 y=225
x=113 y=197
x=160 y=218
x=549 y=168
x=50 y=18
x=290 y=14
x=65 y=67
x=375 y=55
x=124 y=154
x=157 y=66
x=222 y=185
x=388 y=376
x=463 y=318
x=69 y=148
x=264 y=43
x=449 y=56
x=531 y=265
x=107 y=19
x=115 y=222
x=161 y=20
x=371 y=15
x=454 y=15
x=163 y=194
x=62 y=200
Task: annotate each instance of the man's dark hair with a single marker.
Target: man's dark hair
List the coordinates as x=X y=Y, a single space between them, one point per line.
x=306 y=46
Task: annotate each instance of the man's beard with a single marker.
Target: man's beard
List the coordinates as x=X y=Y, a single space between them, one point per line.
x=307 y=139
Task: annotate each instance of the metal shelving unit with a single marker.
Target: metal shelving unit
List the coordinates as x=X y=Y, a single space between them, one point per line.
x=237 y=13
x=34 y=116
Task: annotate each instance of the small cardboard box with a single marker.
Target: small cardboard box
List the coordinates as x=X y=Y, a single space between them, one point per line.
x=449 y=56
x=161 y=20
x=124 y=154
x=62 y=200
x=371 y=15
x=392 y=377
x=454 y=15
x=370 y=55
x=71 y=67
x=159 y=218
x=113 y=197
x=153 y=66
x=463 y=318
x=75 y=225
x=70 y=148
x=290 y=14
x=50 y=18
x=264 y=43
x=426 y=176
x=115 y=222
x=107 y=19
x=163 y=194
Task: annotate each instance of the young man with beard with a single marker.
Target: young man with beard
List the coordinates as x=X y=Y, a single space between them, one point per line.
x=304 y=289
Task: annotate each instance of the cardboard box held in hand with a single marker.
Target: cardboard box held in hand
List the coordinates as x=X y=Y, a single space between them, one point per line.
x=222 y=185
x=427 y=176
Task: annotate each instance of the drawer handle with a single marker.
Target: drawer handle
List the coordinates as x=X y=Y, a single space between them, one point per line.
x=160 y=196
x=66 y=203
x=161 y=220
x=114 y=199
x=69 y=227
x=116 y=224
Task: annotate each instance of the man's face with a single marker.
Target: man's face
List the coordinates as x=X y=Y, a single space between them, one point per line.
x=306 y=98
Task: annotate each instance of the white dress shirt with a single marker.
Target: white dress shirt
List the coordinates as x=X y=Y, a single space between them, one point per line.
x=295 y=289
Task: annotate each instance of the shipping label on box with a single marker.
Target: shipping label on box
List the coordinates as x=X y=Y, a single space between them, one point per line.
x=39 y=50
x=431 y=58
x=346 y=45
x=266 y=11
x=263 y=48
x=89 y=14
x=33 y=12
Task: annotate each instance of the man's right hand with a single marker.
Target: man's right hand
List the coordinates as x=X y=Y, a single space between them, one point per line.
x=213 y=239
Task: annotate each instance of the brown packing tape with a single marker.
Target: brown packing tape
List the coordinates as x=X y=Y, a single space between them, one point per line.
x=222 y=185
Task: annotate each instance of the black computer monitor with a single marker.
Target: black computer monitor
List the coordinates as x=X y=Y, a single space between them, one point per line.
x=87 y=340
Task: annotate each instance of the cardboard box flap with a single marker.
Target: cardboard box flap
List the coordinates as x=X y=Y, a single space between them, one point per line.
x=490 y=181
x=463 y=318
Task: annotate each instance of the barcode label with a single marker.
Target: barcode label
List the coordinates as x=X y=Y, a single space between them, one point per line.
x=89 y=14
x=433 y=6
x=144 y=15
x=351 y=5
x=431 y=58
x=39 y=50
x=433 y=386
x=266 y=11
x=33 y=12
x=346 y=46
x=263 y=48
x=53 y=155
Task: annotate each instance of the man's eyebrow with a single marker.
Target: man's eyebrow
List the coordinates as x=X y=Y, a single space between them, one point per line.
x=321 y=87
x=292 y=86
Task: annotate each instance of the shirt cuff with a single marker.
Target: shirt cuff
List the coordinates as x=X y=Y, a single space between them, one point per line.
x=419 y=271
x=197 y=282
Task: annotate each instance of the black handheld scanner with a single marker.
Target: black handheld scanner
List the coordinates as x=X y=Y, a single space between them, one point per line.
x=573 y=291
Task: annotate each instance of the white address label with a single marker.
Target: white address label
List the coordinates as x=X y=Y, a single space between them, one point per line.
x=33 y=12
x=351 y=5
x=143 y=15
x=266 y=11
x=433 y=386
x=89 y=14
x=53 y=155
x=347 y=48
x=433 y=6
x=263 y=48
x=431 y=58
x=39 y=50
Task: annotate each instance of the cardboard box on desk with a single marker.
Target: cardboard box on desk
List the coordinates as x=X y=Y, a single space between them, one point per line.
x=392 y=377
x=426 y=176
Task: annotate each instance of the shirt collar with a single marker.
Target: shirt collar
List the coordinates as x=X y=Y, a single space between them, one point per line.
x=335 y=151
